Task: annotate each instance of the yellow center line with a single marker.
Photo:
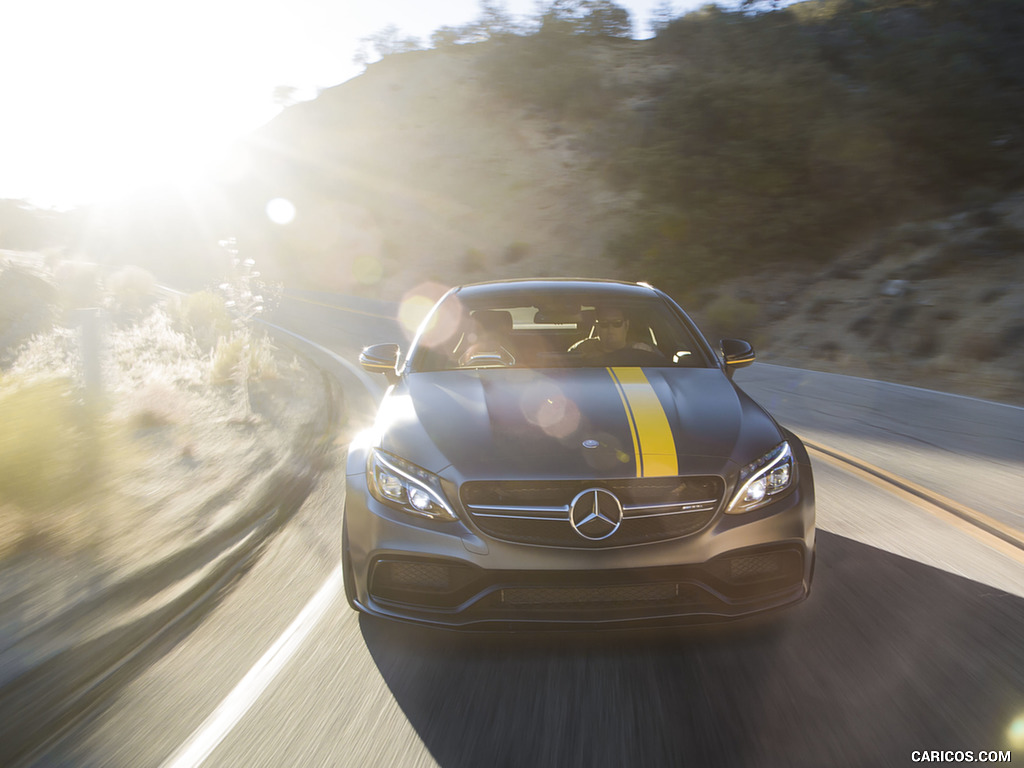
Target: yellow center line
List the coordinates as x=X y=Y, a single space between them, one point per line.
x=337 y=307
x=985 y=529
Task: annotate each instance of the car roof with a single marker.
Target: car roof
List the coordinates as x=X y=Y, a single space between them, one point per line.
x=555 y=288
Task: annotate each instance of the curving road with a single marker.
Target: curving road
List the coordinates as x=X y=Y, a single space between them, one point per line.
x=912 y=639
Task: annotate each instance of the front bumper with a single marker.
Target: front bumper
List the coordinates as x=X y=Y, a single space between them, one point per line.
x=448 y=575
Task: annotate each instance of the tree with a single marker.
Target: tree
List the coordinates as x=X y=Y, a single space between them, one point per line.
x=594 y=18
x=446 y=36
x=385 y=42
x=664 y=13
x=285 y=95
x=494 y=19
x=606 y=19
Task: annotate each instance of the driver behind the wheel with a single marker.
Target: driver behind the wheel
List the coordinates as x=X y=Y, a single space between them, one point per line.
x=612 y=333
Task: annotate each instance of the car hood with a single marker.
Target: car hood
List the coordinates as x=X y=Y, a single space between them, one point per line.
x=593 y=422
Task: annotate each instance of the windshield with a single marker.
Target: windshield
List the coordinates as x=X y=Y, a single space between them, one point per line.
x=563 y=332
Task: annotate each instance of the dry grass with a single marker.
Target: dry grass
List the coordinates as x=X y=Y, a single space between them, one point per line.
x=58 y=456
x=202 y=315
x=81 y=471
x=244 y=357
x=63 y=455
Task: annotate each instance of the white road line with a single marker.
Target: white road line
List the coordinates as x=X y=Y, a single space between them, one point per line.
x=212 y=732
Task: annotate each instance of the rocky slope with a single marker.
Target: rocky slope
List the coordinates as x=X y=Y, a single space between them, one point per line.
x=936 y=304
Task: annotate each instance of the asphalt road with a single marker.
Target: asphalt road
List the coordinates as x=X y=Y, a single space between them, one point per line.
x=911 y=640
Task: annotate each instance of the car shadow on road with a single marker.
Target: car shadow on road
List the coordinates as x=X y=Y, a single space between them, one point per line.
x=888 y=656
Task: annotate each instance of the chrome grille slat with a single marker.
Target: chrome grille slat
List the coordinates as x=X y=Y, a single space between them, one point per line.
x=537 y=512
x=704 y=502
x=508 y=508
x=497 y=515
x=666 y=514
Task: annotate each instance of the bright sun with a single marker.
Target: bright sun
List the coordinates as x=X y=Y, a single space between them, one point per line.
x=111 y=95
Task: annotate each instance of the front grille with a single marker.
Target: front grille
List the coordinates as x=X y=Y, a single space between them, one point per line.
x=537 y=512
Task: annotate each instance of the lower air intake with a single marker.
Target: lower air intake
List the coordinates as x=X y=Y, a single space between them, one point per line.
x=588 y=595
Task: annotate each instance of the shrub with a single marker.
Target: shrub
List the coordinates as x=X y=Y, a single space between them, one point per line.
x=204 y=316
x=925 y=341
x=979 y=347
x=243 y=358
x=516 y=252
x=829 y=350
x=863 y=325
x=818 y=308
x=52 y=448
x=27 y=300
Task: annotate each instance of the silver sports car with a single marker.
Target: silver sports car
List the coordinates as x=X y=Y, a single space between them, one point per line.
x=571 y=452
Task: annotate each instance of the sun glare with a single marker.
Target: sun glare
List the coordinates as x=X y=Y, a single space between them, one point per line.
x=114 y=95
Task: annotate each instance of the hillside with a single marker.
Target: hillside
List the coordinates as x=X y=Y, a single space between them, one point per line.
x=726 y=144
x=418 y=171
x=935 y=303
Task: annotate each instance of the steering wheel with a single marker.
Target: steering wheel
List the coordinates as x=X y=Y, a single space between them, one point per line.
x=489 y=356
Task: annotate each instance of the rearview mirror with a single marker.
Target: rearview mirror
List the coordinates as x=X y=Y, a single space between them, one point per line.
x=737 y=353
x=381 y=358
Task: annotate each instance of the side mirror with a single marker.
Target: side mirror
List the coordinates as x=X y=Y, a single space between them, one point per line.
x=381 y=358
x=737 y=354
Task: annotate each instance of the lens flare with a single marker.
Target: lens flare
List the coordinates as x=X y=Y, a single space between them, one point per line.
x=281 y=211
x=544 y=405
x=414 y=310
x=367 y=269
x=1015 y=733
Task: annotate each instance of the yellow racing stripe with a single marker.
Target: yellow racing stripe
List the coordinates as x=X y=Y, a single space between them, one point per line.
x=653 y=444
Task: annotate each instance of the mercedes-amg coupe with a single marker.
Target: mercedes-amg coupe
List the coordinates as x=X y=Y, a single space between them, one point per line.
x=563 y=452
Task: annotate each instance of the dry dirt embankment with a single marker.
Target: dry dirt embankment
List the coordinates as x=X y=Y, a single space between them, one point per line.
x=937 y=304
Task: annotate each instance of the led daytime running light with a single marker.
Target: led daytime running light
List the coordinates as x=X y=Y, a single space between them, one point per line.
x=412 y=483
x=783 y=455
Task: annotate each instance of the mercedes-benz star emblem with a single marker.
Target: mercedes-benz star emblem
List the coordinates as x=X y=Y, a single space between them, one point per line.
x=595 y=514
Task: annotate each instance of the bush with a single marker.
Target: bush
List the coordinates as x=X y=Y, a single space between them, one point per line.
x=516 y=252
x=27 y=301
x=204 y=316
x=978 y=347
x=232 y=365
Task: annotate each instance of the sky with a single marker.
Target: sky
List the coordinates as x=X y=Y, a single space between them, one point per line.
x=102 y=96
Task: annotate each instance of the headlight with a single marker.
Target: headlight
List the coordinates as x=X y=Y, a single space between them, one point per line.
x=407 y=487
x=764 y=480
